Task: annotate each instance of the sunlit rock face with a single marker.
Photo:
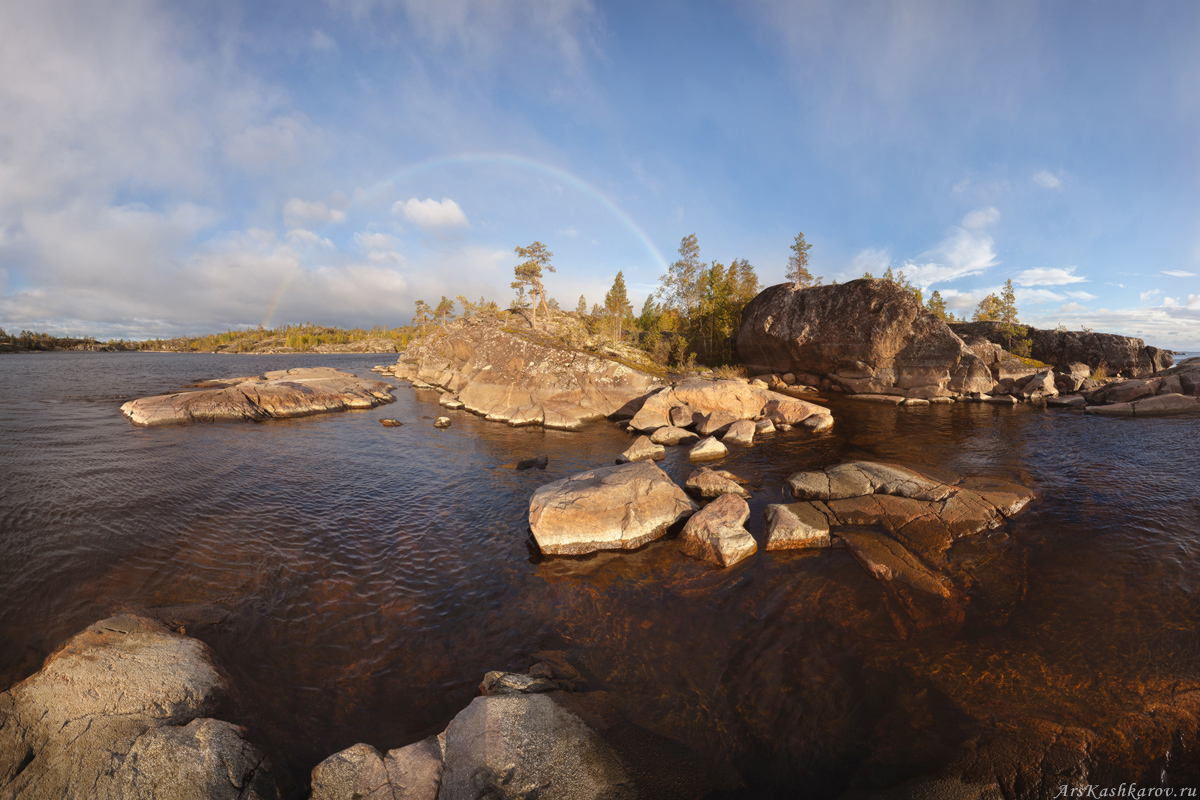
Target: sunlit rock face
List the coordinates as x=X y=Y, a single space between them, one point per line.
x=864 y=337
x=1121 y=355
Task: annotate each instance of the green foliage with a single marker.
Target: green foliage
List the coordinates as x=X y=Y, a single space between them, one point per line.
x=680 y=287
x=616 y=305
x=529 y=274
x=937 y=307
x=797 y=270
x=1003 y=309
x=1100 y=373
x=903 y=282
x=581 y=306
x=445 y=309
x=423 y=314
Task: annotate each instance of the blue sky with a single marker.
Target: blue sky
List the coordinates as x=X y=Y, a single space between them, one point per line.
x=183 y=168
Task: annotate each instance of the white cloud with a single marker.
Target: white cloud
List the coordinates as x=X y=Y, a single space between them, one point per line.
x=1038 y=296
x=430 y=213
x=962 y=253
x=571 y=231
x=981 y=218
x=1147 y=296
x=379 y=247
x=303 y=236
x=1072 y=308
x=1081 y=295
x=869 y=260
x=298 y=213
x=1047 y=180
x=1178 y=273
x=1048 y=276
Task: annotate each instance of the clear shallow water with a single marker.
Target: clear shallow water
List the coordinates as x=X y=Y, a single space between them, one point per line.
x=372 y=575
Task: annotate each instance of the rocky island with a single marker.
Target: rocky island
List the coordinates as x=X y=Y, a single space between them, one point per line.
x=277 y=395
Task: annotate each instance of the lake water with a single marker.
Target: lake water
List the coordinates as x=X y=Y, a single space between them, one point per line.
x=370 y=576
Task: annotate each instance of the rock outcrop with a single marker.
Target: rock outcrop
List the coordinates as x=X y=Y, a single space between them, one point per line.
x=713 y=405
x=1175 y=391
x=1121 y=355
x=610 y=508
x=864 y=337
x=896 y=521
x=276 y=395
x=121 y=711
x=508 y=372
x=716 y=534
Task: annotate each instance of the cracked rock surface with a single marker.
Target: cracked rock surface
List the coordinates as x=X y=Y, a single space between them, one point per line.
x=278 y=394
x=121 y=711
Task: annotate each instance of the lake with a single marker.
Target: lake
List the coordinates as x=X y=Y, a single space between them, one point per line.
x=365 y=578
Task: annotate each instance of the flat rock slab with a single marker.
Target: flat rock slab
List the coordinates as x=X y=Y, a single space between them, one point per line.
x=277 y=395
x=610 y=508
x=716 y=534
x=858 y=478
x=672 y=435
x=120 y=710
x=888 y=560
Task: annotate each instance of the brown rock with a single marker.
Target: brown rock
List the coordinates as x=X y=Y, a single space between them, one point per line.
x=865 y=336
x=715 y=533
x=732 y=399
x=888 y=560
x=707 y=450
x=710 y=483
x=796 y=526
x=672 y=435
x=740 y=432
x=610 y=508
x=643 y=449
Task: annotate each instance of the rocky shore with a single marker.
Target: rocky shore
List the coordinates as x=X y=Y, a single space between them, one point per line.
x=277 y=395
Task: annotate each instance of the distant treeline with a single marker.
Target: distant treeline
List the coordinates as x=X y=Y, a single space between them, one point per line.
x=289 y=337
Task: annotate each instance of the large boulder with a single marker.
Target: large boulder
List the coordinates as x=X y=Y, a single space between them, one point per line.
x=865 y=337
x=610 y=508
x=121 y=711
x=360 y=772
x=716 y=404
x=510 y=373
x=1066 y=350
x=276 y=395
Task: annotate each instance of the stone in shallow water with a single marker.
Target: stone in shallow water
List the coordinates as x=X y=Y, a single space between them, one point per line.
x=740 y=432
x=888 y=560
x=643 y=449
x=610 y=508
x=796 y=526
x=707 y=450
x=390 y=423
x=710 y=483
x=441 y=422
x=715 y=533
x=672 y=435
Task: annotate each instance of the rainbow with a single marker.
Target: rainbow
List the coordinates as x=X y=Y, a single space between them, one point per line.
x=474 y=159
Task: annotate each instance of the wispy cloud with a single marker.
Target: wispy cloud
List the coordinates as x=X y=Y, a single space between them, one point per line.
x=1178 y=273
x=962 y=253
x=1048 y=276
x=1047 y=180
x=1148 y=296
x=981 y=218
x=299 y=213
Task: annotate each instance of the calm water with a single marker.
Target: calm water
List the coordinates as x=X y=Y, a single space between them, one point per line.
x=370 y=576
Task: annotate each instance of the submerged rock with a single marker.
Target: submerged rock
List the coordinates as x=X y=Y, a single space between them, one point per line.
x=277 y=395
x=716 y=534
x=121 y=710
x=796 y=526
x=390 y=423
x=441 y=422
x=866 y=337
x=610 y=508
x=537 y=462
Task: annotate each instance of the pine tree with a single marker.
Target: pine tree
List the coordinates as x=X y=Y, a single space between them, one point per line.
x=680 y=287
x=797 y=271
x=581 y=307
x=444 y=309
x=937 y=306
x=423 y=314
x=616 y=304
x=529 y=274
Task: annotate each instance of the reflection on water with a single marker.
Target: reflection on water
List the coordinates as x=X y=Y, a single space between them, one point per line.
x=356 y=581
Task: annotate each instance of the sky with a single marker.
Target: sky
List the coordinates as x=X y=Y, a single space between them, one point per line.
x=183 y=168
